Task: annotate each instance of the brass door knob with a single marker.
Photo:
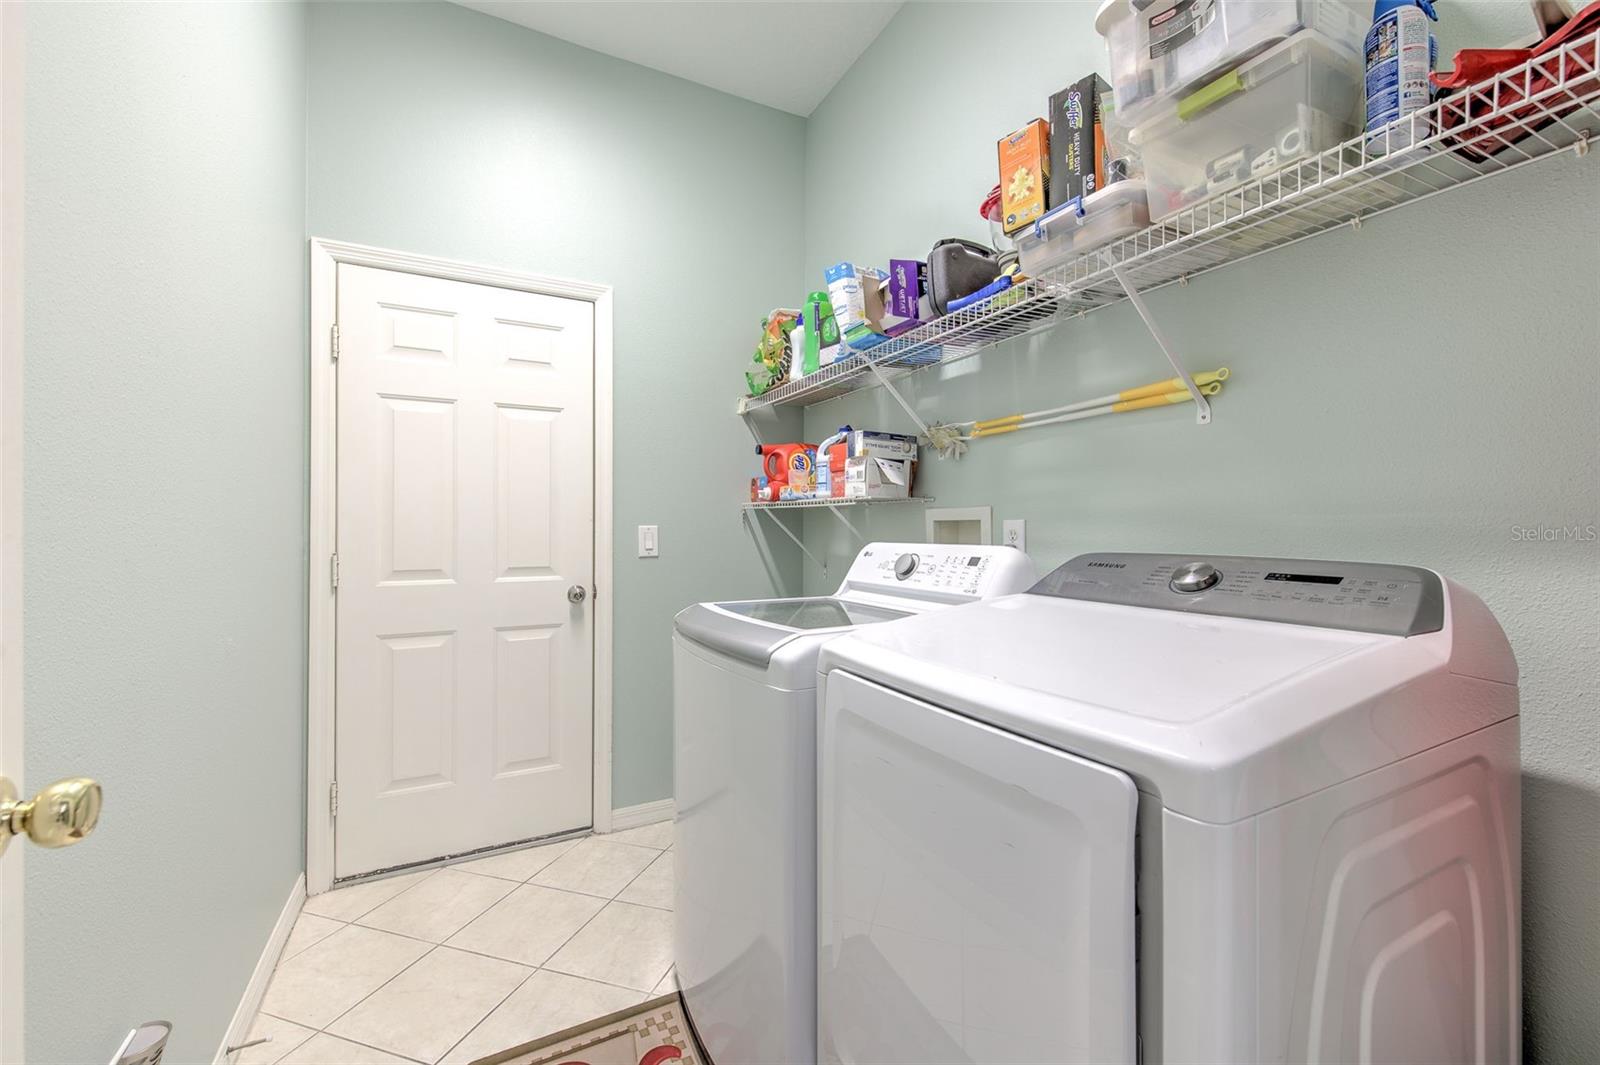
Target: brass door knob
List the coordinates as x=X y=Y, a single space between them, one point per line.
x=58 y=816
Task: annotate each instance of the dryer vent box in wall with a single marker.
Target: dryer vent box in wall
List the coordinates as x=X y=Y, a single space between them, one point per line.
x=959 y=525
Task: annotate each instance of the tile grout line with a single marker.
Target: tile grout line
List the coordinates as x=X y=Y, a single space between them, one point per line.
x=433 y=946
x=468 y=1034
x=374 y=991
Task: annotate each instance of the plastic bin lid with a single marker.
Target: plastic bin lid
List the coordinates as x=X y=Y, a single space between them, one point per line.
x=1292 y=51
x=1110 y=11
x=1117 y=194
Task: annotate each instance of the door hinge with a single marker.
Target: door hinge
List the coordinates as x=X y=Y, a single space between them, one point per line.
x=334 y=338
x=333 y=799
x=333 y=571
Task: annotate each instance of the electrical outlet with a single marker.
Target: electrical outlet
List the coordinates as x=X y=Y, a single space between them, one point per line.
x=649 y=541
x=1015 y=534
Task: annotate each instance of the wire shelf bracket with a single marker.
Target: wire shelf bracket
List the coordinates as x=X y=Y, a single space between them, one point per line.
x=1202 y=409
x=801 y=544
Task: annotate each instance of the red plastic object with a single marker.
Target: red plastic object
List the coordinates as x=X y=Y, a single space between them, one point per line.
x=1484 y=106
x=990 y=208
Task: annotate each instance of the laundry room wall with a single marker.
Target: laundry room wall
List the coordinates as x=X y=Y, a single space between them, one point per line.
x=1420 y=391
x=441 y=131
x=164 y=455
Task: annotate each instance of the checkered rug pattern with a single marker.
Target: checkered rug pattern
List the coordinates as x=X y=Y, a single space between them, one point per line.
x=654 y=1033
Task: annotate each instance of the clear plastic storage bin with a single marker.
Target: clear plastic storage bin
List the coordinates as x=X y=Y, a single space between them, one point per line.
x=1162 y=49
x=1117 y=210
x=1299 y=98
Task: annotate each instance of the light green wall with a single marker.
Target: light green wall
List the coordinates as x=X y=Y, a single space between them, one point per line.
x=1408 y=392
x=441 y=131
x=164 y=451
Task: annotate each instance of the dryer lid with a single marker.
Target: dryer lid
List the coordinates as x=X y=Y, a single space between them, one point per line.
x=1223 y=716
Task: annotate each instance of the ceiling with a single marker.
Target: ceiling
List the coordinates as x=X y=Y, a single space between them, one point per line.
x=786 y=54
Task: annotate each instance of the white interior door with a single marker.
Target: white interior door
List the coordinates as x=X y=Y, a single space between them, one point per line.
x=465 y=672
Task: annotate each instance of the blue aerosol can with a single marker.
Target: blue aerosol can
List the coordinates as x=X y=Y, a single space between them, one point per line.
x=1400 y=51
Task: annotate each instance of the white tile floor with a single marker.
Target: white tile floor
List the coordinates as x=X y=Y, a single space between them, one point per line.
x=455 y=963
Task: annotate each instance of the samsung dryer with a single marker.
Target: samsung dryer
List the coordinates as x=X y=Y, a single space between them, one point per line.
x=745 y=709
x=1174 y=809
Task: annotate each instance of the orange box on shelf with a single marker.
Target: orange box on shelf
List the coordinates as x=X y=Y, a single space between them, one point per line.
x=1024 y=174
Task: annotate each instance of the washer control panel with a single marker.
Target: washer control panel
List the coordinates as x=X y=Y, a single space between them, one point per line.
x=939 y=571
x=1360 y=596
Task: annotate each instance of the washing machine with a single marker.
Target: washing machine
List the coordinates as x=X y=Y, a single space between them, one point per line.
x=1174 y=809
x=744 y=694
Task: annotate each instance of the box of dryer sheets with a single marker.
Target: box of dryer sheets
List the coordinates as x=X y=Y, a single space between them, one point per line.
x=1077 y=140
x=1024 y=174
x=866 y=443
x=869 y=477
x=907 y=305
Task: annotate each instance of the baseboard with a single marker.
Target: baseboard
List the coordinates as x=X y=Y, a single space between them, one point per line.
x=256 y=989
x=646 y=813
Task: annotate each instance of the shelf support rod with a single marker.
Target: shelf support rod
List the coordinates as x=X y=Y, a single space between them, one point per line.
x=823 y=566
x=922 y=426
x=1201 y=407
x=846 y=523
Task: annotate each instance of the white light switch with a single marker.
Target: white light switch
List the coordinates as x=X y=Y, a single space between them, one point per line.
x=1016 y=534
x=649 y=541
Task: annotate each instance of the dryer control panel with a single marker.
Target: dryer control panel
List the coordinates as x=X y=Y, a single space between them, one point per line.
x=1359 y=596
x=939 y=571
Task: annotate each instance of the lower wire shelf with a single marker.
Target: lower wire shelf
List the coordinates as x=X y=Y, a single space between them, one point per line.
x=800 y=504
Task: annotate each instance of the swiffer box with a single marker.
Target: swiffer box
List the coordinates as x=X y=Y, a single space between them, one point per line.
x=1077 y=140
x=1024 y=175
x=906 y=303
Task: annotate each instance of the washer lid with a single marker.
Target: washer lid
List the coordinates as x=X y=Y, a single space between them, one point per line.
x=753 y=630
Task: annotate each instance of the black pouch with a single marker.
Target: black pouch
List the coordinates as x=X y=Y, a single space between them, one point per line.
x=958 y=268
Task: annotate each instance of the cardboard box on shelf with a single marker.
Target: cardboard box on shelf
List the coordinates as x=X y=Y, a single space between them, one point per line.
x=1024 y=175
x=1077 y=140
x=905 y=296
x=870 y=477
x=880 y=445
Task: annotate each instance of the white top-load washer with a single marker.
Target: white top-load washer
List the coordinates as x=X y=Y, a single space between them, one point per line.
x=1177 y=809
x=744 y=691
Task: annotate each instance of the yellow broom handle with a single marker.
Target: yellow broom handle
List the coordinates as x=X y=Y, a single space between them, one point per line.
x=1209 y=388
x=1174 y=383
x=996 y=423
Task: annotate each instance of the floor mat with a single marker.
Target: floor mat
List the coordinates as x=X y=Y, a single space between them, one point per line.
x=652 y=1033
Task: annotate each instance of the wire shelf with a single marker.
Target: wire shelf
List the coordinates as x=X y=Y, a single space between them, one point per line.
x=796 y=504
x=1534 y=111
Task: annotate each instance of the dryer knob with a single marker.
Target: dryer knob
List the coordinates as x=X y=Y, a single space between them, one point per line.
x=905 y=566
x=1194 y=577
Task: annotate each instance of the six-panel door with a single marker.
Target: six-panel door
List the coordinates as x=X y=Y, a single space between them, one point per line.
x=465 y=486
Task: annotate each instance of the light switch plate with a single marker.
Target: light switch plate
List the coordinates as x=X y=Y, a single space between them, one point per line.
x=1015 y=534
x=649 y=541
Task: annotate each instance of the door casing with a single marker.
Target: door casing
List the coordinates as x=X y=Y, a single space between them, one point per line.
x=12 y=18
x=326 y=255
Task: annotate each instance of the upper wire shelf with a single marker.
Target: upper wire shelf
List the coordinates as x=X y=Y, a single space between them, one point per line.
x=1534 y=111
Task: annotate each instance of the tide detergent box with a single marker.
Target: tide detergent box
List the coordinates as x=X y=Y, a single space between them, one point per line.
x=1077 y=140
x=1024 y=175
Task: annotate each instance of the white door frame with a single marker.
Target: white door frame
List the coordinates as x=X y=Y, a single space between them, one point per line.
x=326 y=255
x=11 y=982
